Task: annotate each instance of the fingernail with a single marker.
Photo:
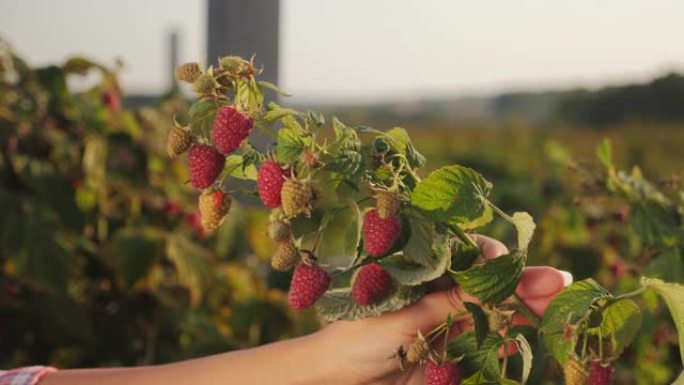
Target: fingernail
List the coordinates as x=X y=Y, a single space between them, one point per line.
x=567 y=277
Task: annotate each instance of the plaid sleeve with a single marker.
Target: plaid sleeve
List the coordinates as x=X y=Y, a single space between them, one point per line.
x=24 y=376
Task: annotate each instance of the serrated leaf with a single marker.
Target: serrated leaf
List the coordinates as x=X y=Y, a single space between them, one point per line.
x=568 y=306
x=338 y=304
x=494 y=280
x=525 y=226
x=290 y=146
x=673 y=294
x=479 y=363
x=620 y=322
x=412 y=270
x=480 y=321
x=452 y=194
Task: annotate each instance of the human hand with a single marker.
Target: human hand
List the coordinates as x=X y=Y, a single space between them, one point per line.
x=361 y=349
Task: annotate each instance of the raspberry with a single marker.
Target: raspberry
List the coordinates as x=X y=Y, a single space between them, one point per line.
x=296 y=198
x=445 y=373
x=371 y=284
x=205 y=164
x=418 y=351
x=279 y=231
x=575 y=372
x=178 y=142
x=601 y=374
x=285 y=256
x=387 y=203
x=379 y=234
x=308 y=284
x=204 y=84
x=188 y=72
x=231 y=128
x=270 y=180
x=213 y=207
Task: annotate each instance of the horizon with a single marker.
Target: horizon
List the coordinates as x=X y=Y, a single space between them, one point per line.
x=332 y=54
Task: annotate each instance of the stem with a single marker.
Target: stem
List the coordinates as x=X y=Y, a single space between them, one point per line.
x=465 y=238
x=499 y=211
x=630 y=294
x=525 y=310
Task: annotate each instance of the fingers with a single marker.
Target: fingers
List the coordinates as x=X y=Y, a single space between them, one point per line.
x=431 y=310
x=540 y=281
x=491 y=248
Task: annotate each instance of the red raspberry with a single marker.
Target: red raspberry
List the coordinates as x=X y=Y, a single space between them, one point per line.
x=380 y=234
x=442 y=374
x=205 y=164
x=231 y=128
x=270 y=181
x=371 y=283
x=600 y=374
x=308 y=284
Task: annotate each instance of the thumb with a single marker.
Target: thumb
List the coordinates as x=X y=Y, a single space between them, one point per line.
x=430 y=311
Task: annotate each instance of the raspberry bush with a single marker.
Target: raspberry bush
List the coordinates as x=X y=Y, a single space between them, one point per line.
x=403 y=230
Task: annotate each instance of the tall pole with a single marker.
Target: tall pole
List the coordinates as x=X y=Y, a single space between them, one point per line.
x=245 y=28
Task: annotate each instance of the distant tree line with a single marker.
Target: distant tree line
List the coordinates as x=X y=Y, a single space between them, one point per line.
x=661 y=100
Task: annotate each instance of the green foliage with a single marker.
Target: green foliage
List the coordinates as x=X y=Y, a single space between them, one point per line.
x=452 y=194
x=338 y=304
x=494 y=280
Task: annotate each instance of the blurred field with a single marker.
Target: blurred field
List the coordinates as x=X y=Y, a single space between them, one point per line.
x=103 y=262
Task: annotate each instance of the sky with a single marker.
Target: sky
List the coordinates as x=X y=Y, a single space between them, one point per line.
x=370 y=50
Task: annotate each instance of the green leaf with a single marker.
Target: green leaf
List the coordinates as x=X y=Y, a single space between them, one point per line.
x=604 y=151
x=134 y=251
x=341 y=231
x=235 y=167
x=192 y=264
x=673 y=294
x=621 y=321
x=527 y=355
x=401 y=142
x=415 y=266
x=202 y=114
x=486 y=217
x=272 y=87
x=290 y=146
x=276 y=112
x=525 y=226
x=452 y=194
x=568 y=306
x=463 y=256
x=338 y=304
x=480 y=321
x=668 y=266
x=494 y=280
x=479 y=363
